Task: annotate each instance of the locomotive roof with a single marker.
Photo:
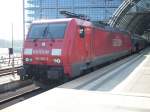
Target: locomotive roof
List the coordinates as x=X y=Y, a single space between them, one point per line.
x=105 y=27
x=52 y=20
x=79 y=21
x=109 y=28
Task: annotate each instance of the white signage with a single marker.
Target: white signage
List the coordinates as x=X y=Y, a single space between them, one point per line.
x=56 y=52
x=28 y=51
x=116 y=42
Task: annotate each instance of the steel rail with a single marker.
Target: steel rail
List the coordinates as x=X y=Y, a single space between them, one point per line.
x=26 y=91
x=8 y=71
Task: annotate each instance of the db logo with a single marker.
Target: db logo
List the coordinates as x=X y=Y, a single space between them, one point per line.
x=43 y=44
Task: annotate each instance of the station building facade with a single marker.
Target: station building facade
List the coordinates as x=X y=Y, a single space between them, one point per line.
x=47 y=9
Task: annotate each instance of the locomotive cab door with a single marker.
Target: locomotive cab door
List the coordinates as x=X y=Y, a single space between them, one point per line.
x=86 y=35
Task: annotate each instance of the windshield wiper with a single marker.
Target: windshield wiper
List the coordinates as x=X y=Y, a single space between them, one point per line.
x=48 y=34
x=51 y=36
x=45 y=31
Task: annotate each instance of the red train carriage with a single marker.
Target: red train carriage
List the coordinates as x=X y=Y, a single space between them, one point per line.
x=61 y=48
x=138 y=43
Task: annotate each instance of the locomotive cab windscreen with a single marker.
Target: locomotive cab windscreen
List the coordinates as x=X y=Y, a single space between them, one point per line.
x=47 y=31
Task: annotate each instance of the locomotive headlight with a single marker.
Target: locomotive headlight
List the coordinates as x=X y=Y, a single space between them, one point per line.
x=28 y=59
x=57 y=60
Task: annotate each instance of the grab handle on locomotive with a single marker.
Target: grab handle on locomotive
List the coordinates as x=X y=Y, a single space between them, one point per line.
x=82 y=32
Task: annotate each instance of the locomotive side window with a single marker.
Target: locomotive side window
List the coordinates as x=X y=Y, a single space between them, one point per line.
x=82 y=32
x=48 y=30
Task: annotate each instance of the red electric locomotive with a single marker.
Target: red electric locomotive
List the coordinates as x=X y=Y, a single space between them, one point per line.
x=60 y=48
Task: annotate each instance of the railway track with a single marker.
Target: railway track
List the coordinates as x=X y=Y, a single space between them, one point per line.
x=21 y=93
x=13 y=92
x=18 y=95
x=8 y=71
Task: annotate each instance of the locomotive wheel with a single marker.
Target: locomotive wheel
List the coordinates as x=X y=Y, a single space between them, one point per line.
x=64 y=78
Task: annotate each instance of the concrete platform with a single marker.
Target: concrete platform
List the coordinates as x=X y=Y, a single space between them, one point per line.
x=70 y=100
x=138 y=82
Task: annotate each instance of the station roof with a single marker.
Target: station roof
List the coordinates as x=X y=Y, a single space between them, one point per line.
x=132 y=15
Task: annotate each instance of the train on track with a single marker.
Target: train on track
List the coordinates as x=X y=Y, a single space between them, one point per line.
x=59 y=49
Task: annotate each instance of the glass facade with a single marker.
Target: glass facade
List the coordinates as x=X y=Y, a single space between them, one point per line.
x=45 y=9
